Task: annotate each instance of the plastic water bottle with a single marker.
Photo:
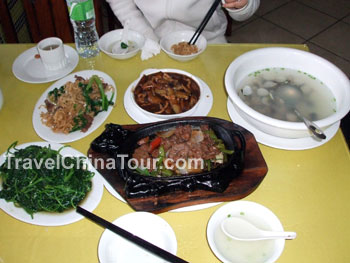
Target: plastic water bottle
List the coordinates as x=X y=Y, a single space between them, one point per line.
x=82 y=16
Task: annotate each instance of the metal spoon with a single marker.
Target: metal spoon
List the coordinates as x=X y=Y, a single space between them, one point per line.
x=290 y=94
x=316 y=131
x=243 y=230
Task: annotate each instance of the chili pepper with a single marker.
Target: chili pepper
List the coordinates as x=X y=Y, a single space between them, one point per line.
x=208 y=163
x=155 y=143
x=104 y=99
x=166 y=172
x=142 y=171
x=161 y=157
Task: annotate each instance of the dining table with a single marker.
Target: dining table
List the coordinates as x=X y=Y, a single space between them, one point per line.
x=308 y=190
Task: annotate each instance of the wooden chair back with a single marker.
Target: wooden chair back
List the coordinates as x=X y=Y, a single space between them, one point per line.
x=49 y=18
x=6 y=21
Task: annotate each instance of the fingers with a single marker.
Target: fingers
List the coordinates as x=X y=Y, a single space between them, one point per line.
x=235 y=3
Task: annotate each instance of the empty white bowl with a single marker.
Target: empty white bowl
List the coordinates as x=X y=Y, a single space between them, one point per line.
x=108 y=40
x=233 y=251
x=190 y=112
x=148 y=226
x=180 y=36
x=278 y=57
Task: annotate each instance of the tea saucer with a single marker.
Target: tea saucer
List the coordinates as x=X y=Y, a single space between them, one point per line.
x=279 y=142
x=30 y=69
x=203 y=107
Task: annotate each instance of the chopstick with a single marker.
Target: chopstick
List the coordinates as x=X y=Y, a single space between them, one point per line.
x=204 y=22
x=129 y=236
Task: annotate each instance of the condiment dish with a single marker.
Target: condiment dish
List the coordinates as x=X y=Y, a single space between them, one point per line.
x=182 y=36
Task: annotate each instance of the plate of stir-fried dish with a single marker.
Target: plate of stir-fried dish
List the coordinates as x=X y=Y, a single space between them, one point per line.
x=74 y=106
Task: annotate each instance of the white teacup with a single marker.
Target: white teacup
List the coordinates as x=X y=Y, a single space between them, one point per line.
x=51 y=51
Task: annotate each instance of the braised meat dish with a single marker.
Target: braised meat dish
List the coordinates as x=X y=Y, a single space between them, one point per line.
x=166 y=93
x=178 y=151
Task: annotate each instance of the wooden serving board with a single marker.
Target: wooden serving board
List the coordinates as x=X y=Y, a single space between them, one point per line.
x=254 y=171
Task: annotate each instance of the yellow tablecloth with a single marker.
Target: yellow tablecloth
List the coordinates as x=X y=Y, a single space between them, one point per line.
x=308 y=190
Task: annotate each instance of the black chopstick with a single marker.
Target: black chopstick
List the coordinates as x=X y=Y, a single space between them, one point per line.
x=204 y=22
x=129 y=236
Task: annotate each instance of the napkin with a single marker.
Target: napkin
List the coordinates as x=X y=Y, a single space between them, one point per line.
x=150 y=48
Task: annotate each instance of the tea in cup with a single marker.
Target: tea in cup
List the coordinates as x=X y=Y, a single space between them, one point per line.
x=51 y=51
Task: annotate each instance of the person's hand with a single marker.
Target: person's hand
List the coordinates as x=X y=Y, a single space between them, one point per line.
x=237 y=4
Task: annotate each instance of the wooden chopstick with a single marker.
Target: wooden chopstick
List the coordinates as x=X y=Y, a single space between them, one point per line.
x=204 y=22
x=129 y=236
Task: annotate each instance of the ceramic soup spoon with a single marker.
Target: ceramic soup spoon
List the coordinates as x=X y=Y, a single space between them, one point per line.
x=240 y=229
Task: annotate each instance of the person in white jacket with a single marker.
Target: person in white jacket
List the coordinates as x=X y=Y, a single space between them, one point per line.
x=156 y=18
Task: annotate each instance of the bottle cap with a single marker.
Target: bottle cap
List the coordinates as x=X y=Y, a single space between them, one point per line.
x=80 y=11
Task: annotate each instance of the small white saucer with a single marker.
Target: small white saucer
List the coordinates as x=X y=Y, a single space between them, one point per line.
x=279 y=142
x=203 y=107
x=30 y=69
x=148 y=226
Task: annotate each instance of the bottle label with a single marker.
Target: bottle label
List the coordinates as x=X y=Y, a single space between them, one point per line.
x=80 y=11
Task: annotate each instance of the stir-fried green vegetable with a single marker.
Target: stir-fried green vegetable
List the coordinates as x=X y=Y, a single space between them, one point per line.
x=104 y=101
x=41 y=179
x=219 y=143
x=56 y=92
x=160 y=168
x=124 y=45
x=95 y=106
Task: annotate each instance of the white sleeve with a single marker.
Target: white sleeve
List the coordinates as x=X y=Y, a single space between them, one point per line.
x=127 y=10
x=245 y=12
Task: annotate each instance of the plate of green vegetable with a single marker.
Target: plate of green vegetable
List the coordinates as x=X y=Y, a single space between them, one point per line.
x=74 y=106
x=41 y=183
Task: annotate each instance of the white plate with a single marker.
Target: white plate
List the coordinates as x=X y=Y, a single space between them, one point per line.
x=203 y=107
x=279 y=142
x=56 y=219
x=30 y=69
x=47 y=134
x=258 y=215
x=113 y=192
x=153 y=228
